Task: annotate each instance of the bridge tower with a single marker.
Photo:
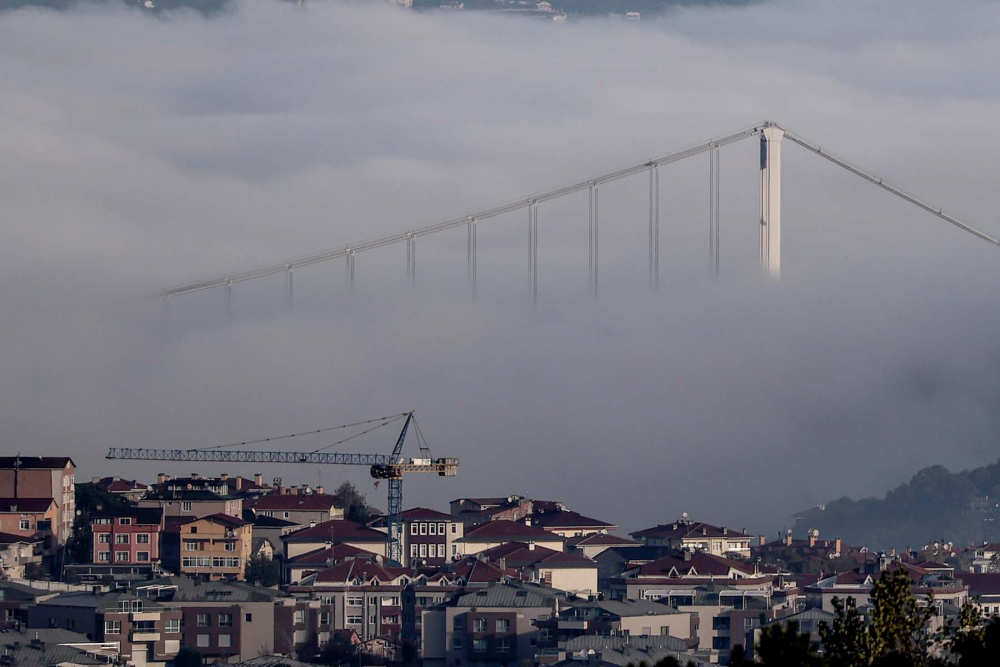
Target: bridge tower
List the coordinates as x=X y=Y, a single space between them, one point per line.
x=770 y=200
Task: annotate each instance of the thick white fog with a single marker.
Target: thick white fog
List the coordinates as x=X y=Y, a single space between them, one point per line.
x=139 y=151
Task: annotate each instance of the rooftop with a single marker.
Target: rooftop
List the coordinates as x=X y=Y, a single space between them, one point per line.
x=36 y=462
x=336 y=529
x=566 y=519
x=508 y=531
x=25 y=504
x=688 y=529
x=300 y=502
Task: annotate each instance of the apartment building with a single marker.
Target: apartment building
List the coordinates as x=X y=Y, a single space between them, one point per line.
x=494 y=533
x=568 y=523
x=42 y=477
x=476 y=511
x=593 y=544
x=30 y=517
x=687 y=535
x=632 y=618
x=126 y=535
x=858 y=584
x=430 y=538
x=147 y=632
x=18 y=554
x=299 y=567
x=128 y=489
x=301 y=509
x=491 y=627
x=649 y=580
x=225 y=621
x=192 y=502
x=555 y=569
x=328 y=533
x=211 y=547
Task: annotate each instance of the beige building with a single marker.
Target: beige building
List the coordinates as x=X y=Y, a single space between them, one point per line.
x=554 y=569
x=690 y=535
x=495 y=533
x=192 y=503
x=215 y=547
x=299 y=508
x=329 y=533
x=43 y=477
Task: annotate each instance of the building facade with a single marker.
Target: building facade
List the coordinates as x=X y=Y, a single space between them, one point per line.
x=43 y=477
x=126 y=535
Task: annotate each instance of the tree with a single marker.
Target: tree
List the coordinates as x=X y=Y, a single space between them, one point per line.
x=782 y=645
x=352 y=501
x=263 y=571
x=338 y=651
x=89 y=497
x=188 y=657
x=899 y=620
x=846 y=642
x=737 y=656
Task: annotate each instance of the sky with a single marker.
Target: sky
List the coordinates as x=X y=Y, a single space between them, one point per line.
x=139 y=151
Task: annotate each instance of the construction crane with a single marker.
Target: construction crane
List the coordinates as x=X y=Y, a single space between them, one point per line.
x=391 y=467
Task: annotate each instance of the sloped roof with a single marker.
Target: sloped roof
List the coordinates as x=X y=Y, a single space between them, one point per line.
x=566 y=519
x=982 y=584
x=9 y=538
x=601 y=539
x=506 y=595
x=338 y=552
x=184 y=589
x=224 y=519
x=25 y=504
x=336 y=529
x=519 y=554
x=508 y=531
x=422 y=514
x=146 y=516
x=626 y=608
x=475 y=571
x=51 y=651
x=36 y=462
x=813 y=614
x=361 y=569
x=701 y=564
x=89 y=600
x=618 y=643
x=688 y=529
x=300 y=502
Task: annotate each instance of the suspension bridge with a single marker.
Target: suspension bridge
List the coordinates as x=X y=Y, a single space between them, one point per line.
x=770 y=134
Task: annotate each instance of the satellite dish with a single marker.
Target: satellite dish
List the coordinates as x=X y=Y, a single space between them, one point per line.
x=277 y=481
x=684 y=515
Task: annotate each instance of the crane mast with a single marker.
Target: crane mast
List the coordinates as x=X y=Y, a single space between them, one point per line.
x=391 y=467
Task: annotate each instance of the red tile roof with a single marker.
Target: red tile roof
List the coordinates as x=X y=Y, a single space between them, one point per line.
x=225 y=520
x=337 y=530
x=508 y=531
x=25 y=504
x=7 y=538
x=689 y=529
x=565 y=519
x=601 y=539
x=336 y=553
x=475 y=571
x=422 y=514
x=314 y=501
x=120 y=485
x=36 y=462
x=363 y=570
x=701 y=564
x=519 y=554
x=982 y=584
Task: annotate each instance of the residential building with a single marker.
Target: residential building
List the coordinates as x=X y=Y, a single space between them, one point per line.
x=15 y=600
x=42 y=477
x=690 y=535
x=804 y=622
x=34 y=519
x=593 y=544
x=430 y=538
x=299 y=508
x=51 y=646
x=568 y=524
x=129 y=489
x=193 y=498
x=328 y=533
x=650 y=580
x=858 y=584
x=614 y=561
x=147 y=632
x=984 y=591
x=554 y=569
x=490 y=627
x=126 y=535
x=631 y=618
x=299 y=567
x=494 y=533
x=211 y=547
x=620 y=651
x=225 y=621
x=19 y=555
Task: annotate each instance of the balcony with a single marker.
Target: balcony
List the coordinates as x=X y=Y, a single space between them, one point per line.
x=144 y=636
x=145 y=616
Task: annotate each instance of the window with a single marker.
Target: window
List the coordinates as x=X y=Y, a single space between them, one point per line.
x=225 y=641
x=720 y=643
x=142 y=538
x=286 y=515
x=354 y=619
x=121 y=556
x=747 y=623
x=479 y=646
x=124 y=606
x=457 y=643
x=112 y=627
x=720 y=623
x=225 y=562
x=194 y=529
x=248 y=618
x=173 y=626
x=190 y=546
x=230 y=546
x=432 y=529
x=372 y=601
x=355 y=600
x=480 y=625
x=459 y=624
x=300 y=616
x=414 y=529
x=413 y=551
x=103 y=556
x=423 y=550
x=125 y=521
x=664 y=629
x=503 y=646
x=454 y=528
x=142 y=556
x=503 y=625
x=204 y=621
x=454 y=549
x=122 y=538
x=186 y=507
x=225 y=620
x=647 y=631
x=204 y=641
x=441 y=550
x=104 y=538
x=372 y=620
x=423 y=529
x=324 y=618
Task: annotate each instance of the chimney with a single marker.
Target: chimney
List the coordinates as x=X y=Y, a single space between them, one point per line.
x=194 y=475
x=162 y=478
x=725 y=531
x=319 y=489
x=687 y=555
x=527 y=521
x=258 y=479
x=95 y=480
x=312 y=523
x=788 y=539
x=837 y=545
x=763 y=540
x=224 y=477
x=294 y=491
x=282 y=490
x=239 y=483
x=531 y=546
x=812 y=538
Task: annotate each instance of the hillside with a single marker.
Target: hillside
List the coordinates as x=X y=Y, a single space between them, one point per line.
x=935 y=504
